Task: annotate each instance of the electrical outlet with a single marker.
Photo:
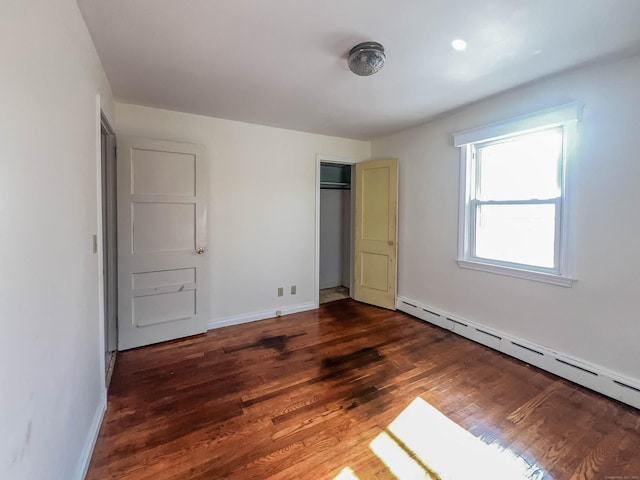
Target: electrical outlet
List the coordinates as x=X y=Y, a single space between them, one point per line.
x=280 y=291
x=293 y=289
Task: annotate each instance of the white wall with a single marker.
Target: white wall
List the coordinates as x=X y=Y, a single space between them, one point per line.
x=334 y=237
x=50 y=379
x=597 y=319
x=261 y=216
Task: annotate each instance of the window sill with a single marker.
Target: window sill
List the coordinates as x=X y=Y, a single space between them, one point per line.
x=516 y=272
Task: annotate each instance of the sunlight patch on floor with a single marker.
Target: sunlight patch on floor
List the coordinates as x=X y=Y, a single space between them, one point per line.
x=346 y=474
x=397 y=459
x=441 y=449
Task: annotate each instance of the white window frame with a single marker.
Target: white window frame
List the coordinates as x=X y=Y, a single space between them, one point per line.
x=564 y=116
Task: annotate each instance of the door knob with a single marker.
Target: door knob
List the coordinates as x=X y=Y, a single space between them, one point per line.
x=390 y=242
x=200 y=251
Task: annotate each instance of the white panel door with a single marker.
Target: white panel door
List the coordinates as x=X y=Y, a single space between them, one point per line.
x=162 y=264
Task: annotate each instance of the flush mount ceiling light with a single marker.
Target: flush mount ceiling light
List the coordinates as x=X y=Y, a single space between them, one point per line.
x=366 y=58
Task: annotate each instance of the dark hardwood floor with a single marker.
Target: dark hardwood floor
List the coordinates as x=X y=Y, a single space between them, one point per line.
x=353 y=391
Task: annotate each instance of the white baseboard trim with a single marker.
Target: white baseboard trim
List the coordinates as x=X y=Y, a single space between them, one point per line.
x=594 y=377
x=331 y=284
x=260 y=315
x=92 y=436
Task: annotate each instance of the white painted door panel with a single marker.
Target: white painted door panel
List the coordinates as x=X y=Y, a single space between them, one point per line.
x=162 y=209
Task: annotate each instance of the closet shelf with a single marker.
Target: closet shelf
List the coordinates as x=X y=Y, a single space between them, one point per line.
x=335 y=176
x=336 y=185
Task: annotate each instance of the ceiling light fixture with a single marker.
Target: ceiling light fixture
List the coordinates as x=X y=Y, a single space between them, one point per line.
x=366 y=58
x=459 y=45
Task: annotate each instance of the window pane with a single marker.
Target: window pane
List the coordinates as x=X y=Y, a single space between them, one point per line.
x=522 y=168
x=516 y=233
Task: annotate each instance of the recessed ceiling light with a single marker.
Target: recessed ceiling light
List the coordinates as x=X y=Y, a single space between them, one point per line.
x=459 y=45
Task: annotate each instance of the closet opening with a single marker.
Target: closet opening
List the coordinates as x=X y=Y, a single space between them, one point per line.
x=335 y=229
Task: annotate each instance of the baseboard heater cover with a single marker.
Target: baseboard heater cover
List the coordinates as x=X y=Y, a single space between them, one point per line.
x=583 y=373
x=527 y=348
x=576 y=366
x=490 y=334
x=627 y=386
x=458 y=322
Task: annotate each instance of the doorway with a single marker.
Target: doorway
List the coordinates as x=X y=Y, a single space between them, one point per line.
x=335 y=234
x=109 y=244
x=371 y=222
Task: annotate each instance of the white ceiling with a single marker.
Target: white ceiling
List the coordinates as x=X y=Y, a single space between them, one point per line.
x=283 y=62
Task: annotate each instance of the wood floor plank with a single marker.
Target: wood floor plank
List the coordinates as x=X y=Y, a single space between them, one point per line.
x=304 y=396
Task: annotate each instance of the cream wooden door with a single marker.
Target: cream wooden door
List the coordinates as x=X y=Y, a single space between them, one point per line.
x=375 y=232
x=162 y=261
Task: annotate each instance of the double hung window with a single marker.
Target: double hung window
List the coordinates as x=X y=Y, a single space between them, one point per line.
x=514 y=209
